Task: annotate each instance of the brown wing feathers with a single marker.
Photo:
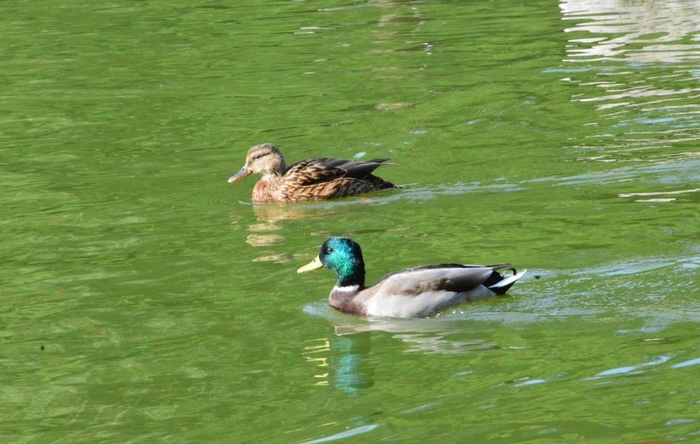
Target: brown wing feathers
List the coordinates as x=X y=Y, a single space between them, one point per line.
x=313 y=171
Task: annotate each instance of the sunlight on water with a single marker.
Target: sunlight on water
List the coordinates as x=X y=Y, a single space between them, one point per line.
x=641 y=57
x=641 y=31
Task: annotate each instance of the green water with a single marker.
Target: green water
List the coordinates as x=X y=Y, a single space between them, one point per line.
x=145 y=300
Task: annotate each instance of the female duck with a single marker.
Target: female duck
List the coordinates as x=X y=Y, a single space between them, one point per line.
x=413 y=292
x=313 y=179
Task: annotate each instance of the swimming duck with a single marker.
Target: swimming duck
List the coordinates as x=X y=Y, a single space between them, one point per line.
x=413 y=292
x=313 y=179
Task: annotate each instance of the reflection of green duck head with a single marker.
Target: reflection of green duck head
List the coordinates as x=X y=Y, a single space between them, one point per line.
x=351 y=371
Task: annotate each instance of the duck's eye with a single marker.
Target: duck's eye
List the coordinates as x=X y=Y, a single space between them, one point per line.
x=328 y=250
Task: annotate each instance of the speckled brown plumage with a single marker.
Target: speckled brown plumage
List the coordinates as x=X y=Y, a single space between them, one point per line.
x=313 y=179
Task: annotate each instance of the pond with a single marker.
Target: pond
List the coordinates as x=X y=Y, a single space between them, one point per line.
x=147 y=300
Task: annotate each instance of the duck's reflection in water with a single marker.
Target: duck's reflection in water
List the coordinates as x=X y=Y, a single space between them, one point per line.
x=267 y=233
x=274 y=213
x=421 y=335
x=344 y=361
x=341 y=361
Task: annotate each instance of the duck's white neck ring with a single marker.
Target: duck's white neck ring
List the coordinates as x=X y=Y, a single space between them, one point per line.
x=346 y=288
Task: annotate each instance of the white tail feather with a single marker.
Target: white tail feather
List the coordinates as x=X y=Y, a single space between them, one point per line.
x=508 y=280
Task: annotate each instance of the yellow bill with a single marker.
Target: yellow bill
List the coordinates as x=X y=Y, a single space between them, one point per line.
x=313 y=265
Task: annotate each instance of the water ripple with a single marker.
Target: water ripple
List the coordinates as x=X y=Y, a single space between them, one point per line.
x=346 y=434
x=641 y=32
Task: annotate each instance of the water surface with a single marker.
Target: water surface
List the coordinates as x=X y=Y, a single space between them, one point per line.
x=147 y=300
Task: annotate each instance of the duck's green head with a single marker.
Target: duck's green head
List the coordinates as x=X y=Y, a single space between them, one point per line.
x=342 y=255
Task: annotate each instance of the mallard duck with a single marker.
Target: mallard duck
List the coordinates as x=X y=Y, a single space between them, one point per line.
x=413 y=292
x=313 y=179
